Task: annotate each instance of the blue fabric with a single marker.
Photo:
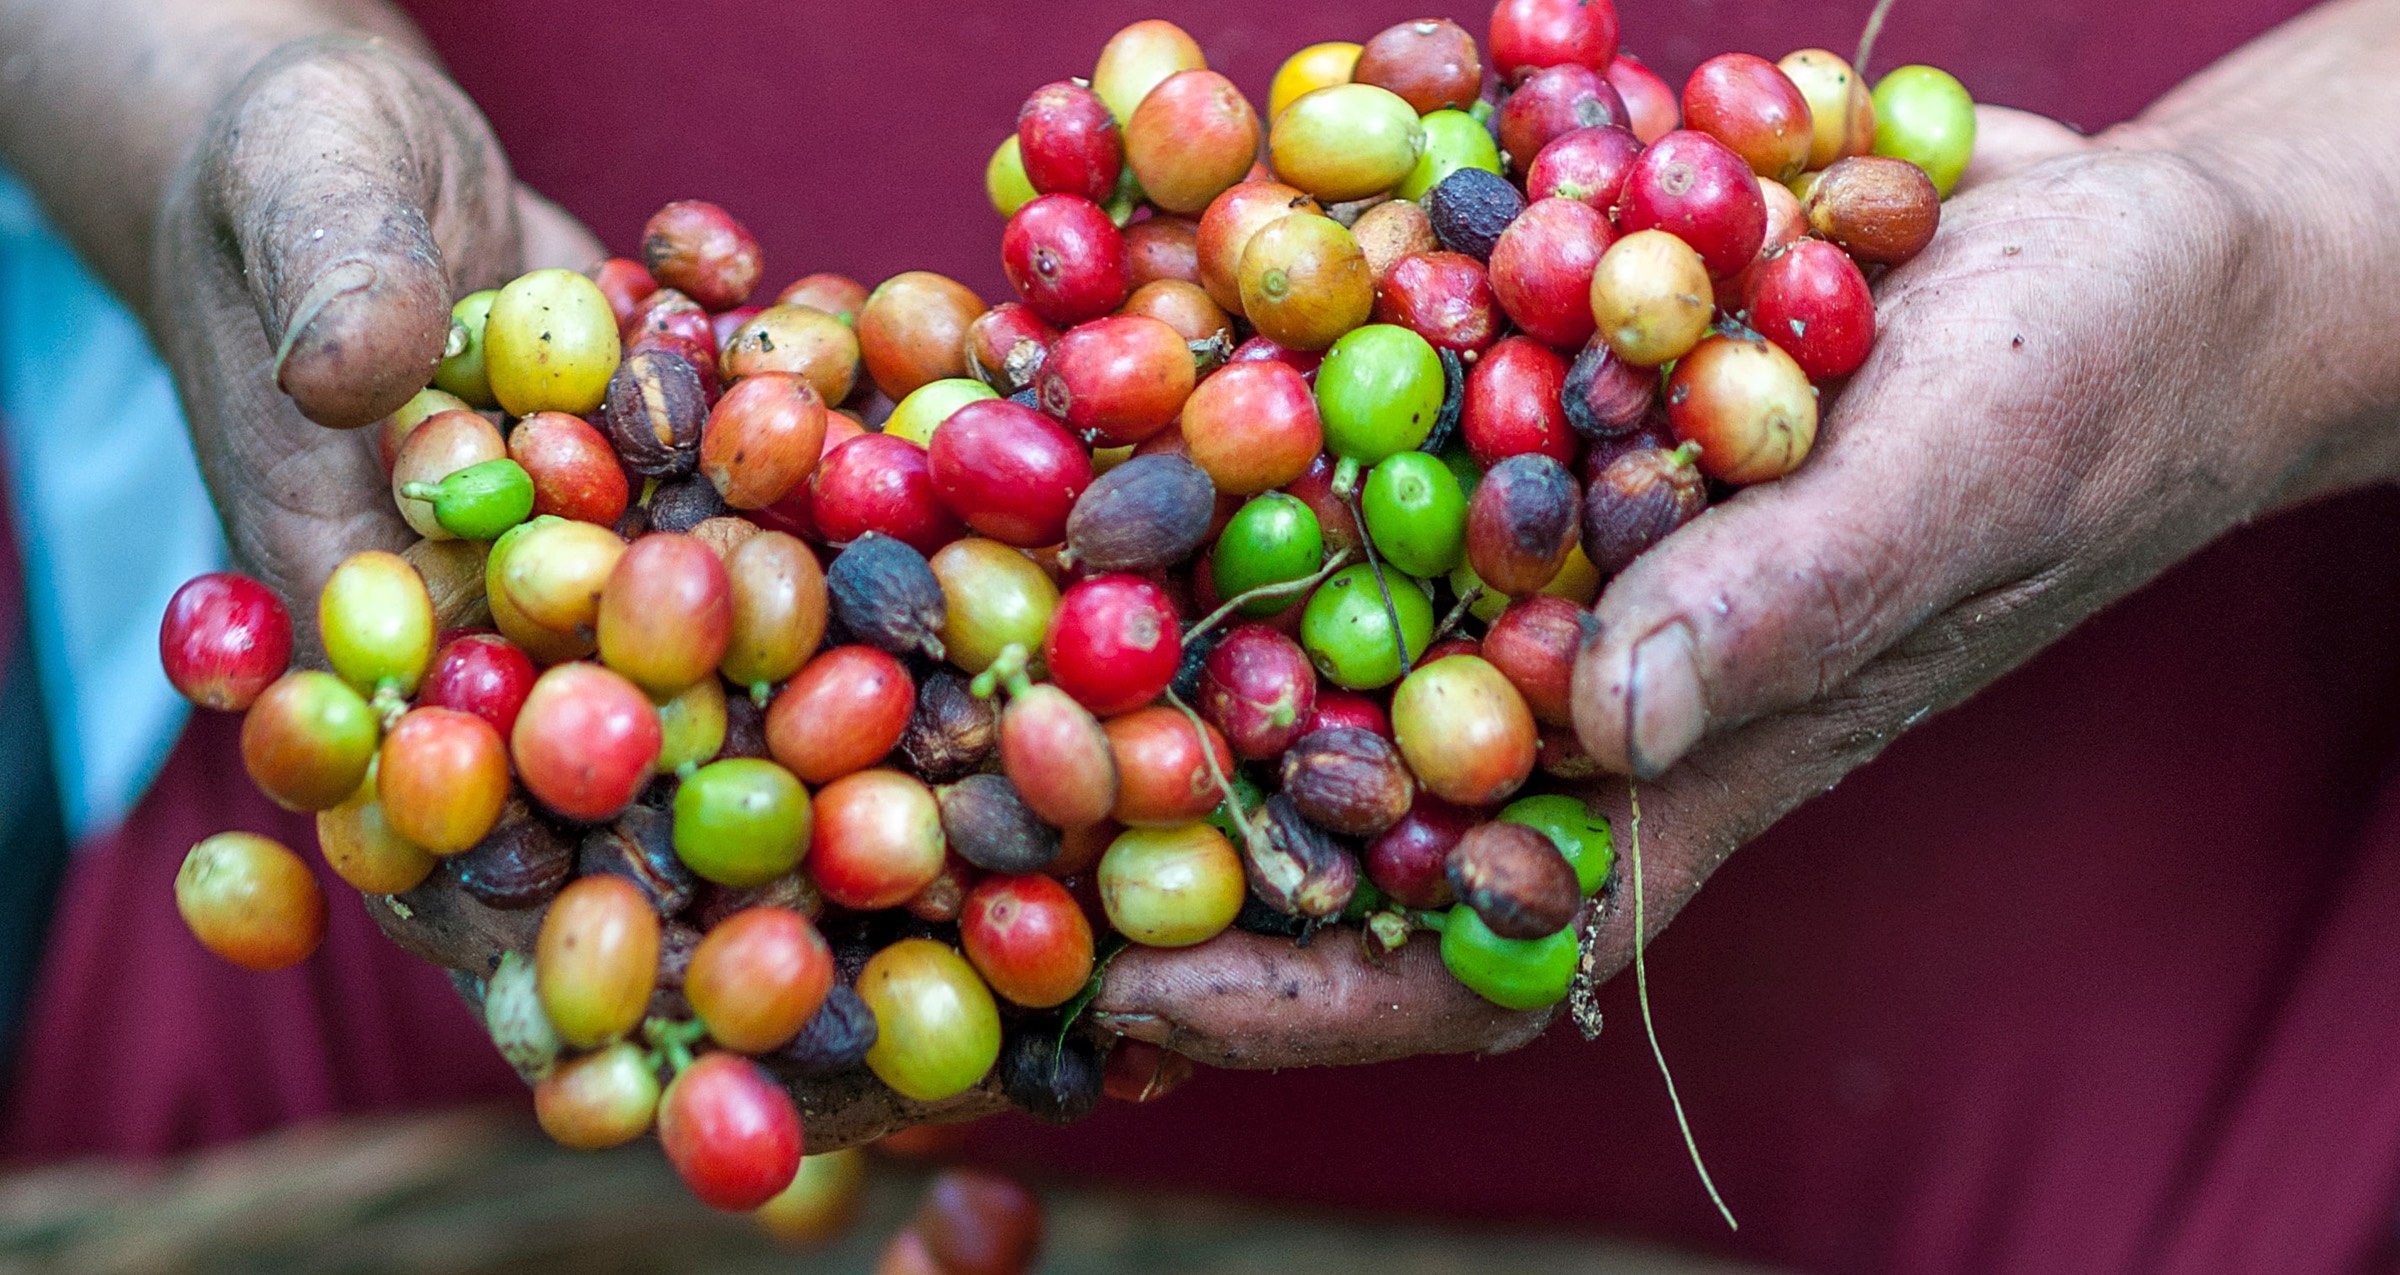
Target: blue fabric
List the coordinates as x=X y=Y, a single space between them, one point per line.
x=110 y=513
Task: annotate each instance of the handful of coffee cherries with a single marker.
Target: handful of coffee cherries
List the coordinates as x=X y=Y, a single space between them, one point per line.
x=841 y=681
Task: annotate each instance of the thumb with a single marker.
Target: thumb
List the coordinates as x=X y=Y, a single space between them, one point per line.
x=326 y=176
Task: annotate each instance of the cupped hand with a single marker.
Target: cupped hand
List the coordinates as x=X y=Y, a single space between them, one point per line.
x=2057 y=409
x=340 y=198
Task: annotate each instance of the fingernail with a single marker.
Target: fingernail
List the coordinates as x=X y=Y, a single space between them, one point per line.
x=347 y=277
x=1664 y=710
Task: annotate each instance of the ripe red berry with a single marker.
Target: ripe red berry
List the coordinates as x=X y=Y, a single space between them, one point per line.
x=224 y=638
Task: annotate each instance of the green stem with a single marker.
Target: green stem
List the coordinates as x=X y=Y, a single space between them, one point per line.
x=1007 y=669
x=1233 y=801
x=1641 y=985
x=1266 y=592
x=421 y=491
x=1866 y=39
x=1345 y=477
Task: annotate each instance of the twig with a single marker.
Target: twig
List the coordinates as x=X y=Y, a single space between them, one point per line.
x=1358 y=519
x=1641 y=984
x=1458 y=613
x=1233 y=800
x=1866 y=39
x=1266 y=591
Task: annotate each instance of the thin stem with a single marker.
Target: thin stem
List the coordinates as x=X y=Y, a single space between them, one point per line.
x=1266 y=592
x=1458 y=613
x=1641 y=984
x=1382 y=585
x=1866 y=39
x=1233 y=800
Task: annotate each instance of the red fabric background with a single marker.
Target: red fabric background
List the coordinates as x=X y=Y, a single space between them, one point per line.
x=2090 y=975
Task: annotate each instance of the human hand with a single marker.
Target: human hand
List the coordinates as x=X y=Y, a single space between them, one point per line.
x=2050 y=418
x=341 y=197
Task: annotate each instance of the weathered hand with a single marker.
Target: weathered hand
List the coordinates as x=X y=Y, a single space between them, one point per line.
x=340 y=198
x=2053 y=414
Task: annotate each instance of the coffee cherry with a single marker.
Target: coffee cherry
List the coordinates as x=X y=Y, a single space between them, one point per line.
x=1841 y=111
x=307 y=740
x=444 y=444
x=1346 y=141
x=1749 y=104
x=550 y=344
x=1519 y=974
x=1515 y=880
x=1347 y=780
x=1379 y=392
x=442 y=776
x=596 y=960
x=1347 y=629
x=1925 y=116
x=763 y=439
x=1163 y=775
x=692 y=725
x=697 y=248
x=1514 y=404
x=665 y=613
x=1251 y=427
x=1028 y=938
x=1470 y=210
x=1431 y=63
x=1058 y=757
x=757 y=977
x=1534 y=644
x=741 y=822
x=937 y=1032
x=1524 y=518
x=1273 y=539
x=994 y=597
x=1445 y=297
x=226 y=637
x=731 y=1132
x=797 y=340
x=1879 y=210
x=879 y=483
x=1391 y=230
x=1416 y=513
x=250 y=900
x=877 y=840
x=1587 y=165
x=1149 y=513
x=600 y=1100
x=1007 y=344
x=779 y=604
x=1542 y=269
x=1140 y=57
x=913 y=328
x=1069 y=141
x=585 y=742
x=1258 y=688
x=1304 y=281
x=1171 y=887
x=1066 y=258
x=1192 y=137
x=1114 y=643
x=843 y=712
x=551 y=573
x=1409 y=862
x=575 y=473
x=1117 y=380
x=1650 y=298
x=1466 y=732
x=1691 y=186
x=1748 y=406
x=1812 y=302
x=1010 y=472
x=1453 y=140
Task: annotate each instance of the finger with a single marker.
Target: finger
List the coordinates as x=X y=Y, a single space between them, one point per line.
x=1253 y=1001
x=2008 y=141
x=328 y=176
x=553 y=238
x=1911 y=500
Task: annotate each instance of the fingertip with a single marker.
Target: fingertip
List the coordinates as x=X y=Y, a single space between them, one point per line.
x=360 y=338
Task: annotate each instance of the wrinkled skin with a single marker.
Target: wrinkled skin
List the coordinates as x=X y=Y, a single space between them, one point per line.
x=319 y=291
